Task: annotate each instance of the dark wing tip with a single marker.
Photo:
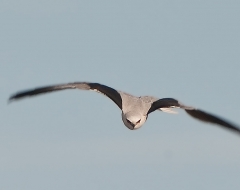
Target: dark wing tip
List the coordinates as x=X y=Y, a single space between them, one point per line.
x=10 y=100
x=15 y=97
x=203 y=116
x=21 y=95
x=31 y=92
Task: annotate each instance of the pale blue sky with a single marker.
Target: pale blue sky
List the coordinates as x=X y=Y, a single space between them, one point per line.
x=188 y=50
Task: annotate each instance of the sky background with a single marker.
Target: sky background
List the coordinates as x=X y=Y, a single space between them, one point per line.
x=188 y=50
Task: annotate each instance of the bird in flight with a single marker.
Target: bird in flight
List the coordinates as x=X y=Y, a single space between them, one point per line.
x=135 y=110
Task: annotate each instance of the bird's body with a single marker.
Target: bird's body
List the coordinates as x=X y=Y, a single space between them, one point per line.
x=135 y=110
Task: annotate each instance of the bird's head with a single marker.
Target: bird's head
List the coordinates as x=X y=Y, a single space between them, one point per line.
x=133 y=120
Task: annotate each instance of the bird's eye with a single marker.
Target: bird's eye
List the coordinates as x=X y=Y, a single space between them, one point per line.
x=139 y=121
x=128 y=121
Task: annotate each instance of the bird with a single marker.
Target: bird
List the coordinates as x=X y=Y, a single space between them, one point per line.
x=135 y=110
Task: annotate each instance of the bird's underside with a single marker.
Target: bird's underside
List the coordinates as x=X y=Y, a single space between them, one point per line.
x=134 y=109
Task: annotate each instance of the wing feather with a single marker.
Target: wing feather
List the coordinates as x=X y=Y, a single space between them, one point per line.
x=113 y=94
x=196 y=113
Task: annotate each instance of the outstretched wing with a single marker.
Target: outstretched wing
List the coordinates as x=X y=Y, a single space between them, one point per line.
x=196 y=113
x=109 y=92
